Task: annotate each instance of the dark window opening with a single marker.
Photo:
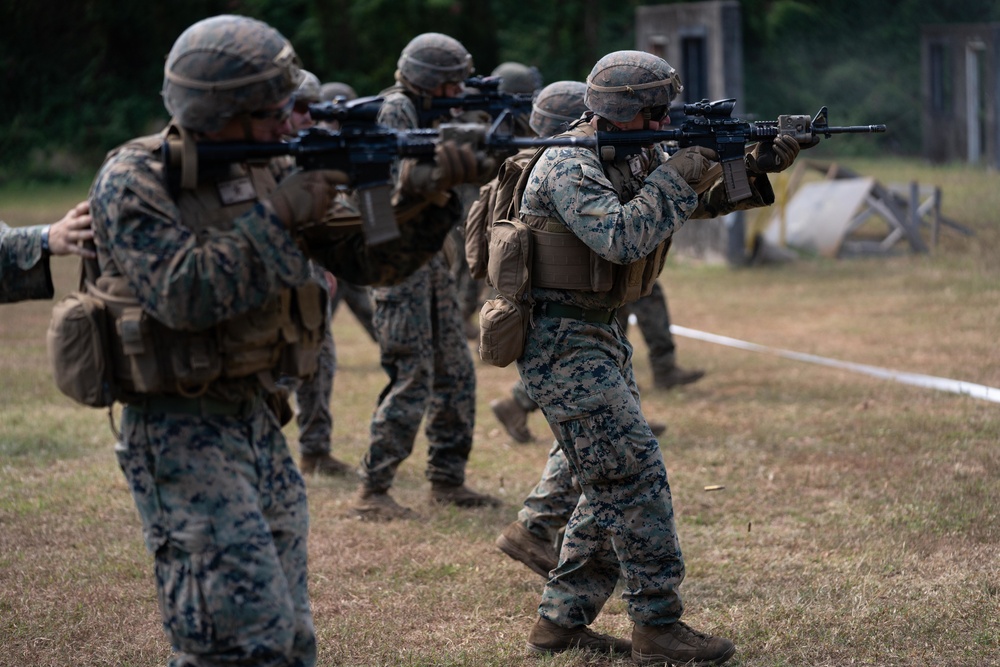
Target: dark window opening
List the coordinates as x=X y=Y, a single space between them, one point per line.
x=694 y=69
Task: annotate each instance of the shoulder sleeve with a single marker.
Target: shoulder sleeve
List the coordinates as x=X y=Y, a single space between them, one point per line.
x=185 y=281
x=570 y=185
x=24 y=272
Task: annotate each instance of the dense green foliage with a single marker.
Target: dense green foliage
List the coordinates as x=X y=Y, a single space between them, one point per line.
x=78 y=78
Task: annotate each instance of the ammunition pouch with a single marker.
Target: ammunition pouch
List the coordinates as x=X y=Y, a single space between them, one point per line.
x=504 y=320
x=104 y=346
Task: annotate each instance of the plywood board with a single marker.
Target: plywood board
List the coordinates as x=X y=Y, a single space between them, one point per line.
x=819 y=215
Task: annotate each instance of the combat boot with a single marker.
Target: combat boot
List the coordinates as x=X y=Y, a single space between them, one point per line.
x=658 y=428
x=513 y=417
x=460 y=495
x=678 y=644
x=373 y=505
x=524 y=546
x=676 y=376
x=547 y=637
x=323 y=464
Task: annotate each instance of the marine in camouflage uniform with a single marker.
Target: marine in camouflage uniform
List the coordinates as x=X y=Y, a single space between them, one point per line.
x=25 y=251
x=222 y=503
x=534 y=537
x=554 y=107
x=419 y=327
x=24 y=265
x=577 y=365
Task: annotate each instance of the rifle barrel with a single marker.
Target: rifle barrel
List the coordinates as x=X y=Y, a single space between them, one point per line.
x=850 y=129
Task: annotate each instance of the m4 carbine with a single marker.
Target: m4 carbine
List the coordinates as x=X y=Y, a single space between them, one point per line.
x=365 y=154
x=482 y=94
x=710 y=124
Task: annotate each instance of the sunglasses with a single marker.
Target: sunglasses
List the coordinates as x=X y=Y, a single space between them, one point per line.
x=281 y=114
x=659 y=112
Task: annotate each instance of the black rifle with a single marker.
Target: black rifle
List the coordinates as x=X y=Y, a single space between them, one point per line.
x=710 y=124
x=365 y=154
x=483 y=95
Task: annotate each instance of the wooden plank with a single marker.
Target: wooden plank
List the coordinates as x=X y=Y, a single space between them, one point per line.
x=818 y=216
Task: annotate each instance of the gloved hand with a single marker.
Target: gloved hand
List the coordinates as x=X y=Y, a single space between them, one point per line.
x=692 y=162
x=305 y=196
x=770 y=157
x=454 y=163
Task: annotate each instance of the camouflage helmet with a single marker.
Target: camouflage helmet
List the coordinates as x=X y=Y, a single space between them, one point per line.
x=224 y=66
x=517 y=78
x=433 y=59
x=556 y=104
x=308 y=90
x=624 y=83
x=334 y=89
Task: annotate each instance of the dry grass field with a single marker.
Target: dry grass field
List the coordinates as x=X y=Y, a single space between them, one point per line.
x=859 y=524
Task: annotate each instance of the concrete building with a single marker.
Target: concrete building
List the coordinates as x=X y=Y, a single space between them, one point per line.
x=960 y=68
x=702 y=40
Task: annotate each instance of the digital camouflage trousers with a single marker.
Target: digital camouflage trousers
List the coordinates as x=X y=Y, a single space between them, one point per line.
x=581 y=376
x=224 y=513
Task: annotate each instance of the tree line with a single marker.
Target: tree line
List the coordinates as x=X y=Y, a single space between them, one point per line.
x=77 y=79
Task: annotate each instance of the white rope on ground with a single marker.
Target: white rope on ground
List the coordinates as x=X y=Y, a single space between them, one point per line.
x=916 y=379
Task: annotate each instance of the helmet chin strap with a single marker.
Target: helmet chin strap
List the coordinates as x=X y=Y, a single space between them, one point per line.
x=645 y=118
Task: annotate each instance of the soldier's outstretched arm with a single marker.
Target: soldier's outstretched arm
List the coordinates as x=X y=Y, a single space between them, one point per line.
x=344 y=250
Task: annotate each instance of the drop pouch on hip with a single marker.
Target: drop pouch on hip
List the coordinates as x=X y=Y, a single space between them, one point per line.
x=504 y=320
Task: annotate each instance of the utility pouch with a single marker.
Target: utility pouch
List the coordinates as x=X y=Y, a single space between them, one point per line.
x=503 y=321
x=304 y=340
x=503 y=326
x=138 y=351
x=78 y=346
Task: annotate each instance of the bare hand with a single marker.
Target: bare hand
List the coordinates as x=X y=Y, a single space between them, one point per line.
x=69 y=235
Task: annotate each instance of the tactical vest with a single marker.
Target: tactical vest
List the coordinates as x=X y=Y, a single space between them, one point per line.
x=282 y=337
x=562 y=261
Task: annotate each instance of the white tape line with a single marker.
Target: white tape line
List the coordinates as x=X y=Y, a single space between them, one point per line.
x=929 y=381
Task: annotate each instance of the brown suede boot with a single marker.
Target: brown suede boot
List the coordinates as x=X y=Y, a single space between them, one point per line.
x=372 y=505
x=547 y=637
x=513 y=418
x=522 y=545
x=323 y=464
x=460 y=495
x=678 y=644
x=676 y=376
